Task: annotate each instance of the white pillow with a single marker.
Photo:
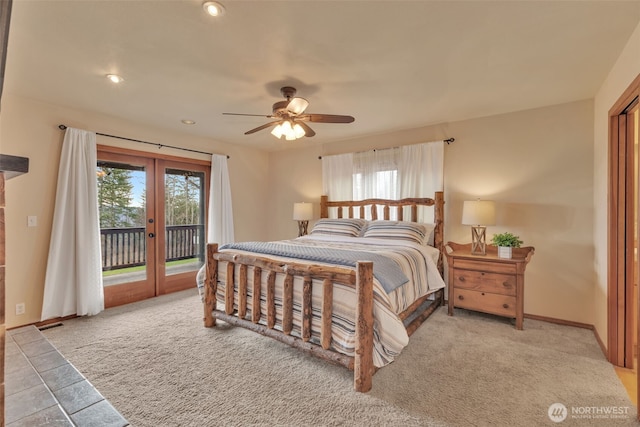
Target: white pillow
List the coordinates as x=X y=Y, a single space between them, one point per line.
x=430 y=238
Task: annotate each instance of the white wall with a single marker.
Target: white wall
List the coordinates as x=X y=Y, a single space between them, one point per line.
x=537 y=166
x=625 y=70
x=30 y=129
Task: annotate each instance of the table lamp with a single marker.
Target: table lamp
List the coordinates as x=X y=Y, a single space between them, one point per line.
x=478 y=214
x=302 y=212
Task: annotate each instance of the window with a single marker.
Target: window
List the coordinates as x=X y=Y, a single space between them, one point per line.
x=383 y=185
x=393 y=173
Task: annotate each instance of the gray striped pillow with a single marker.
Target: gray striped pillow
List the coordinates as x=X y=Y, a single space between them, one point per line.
x=398 y=230
x=339 y=227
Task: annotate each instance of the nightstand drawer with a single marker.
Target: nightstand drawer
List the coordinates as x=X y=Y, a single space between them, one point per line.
x=501 y=305
x=485 y=282
x=494 y=267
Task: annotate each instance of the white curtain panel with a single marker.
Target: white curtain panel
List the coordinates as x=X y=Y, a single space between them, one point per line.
x=337 y=177
x=422 y=167
x=220 y=217
x=73 y=282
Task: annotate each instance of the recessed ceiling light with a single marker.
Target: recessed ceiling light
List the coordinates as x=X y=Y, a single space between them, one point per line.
x=188 y=122
x=115 y=78
x=213 y=8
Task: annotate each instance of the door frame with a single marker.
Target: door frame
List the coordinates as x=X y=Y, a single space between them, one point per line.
x=620 y=239
x=163 y=284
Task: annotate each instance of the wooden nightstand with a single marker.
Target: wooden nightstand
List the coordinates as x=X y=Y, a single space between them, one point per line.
x=487 y=283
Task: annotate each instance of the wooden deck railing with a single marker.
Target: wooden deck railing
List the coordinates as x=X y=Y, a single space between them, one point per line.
x=126 y=247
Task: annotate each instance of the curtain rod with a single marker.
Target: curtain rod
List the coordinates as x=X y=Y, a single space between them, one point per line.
x=448 y=141
x=63 y=127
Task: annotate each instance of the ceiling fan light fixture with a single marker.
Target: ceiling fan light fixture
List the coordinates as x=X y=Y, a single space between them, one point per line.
x=286 y=128
x=213 y=8
x=297 y=105
x=298 y=131
x=289 y=130
x=290 y=119
x=277 y=131
x=290 y=137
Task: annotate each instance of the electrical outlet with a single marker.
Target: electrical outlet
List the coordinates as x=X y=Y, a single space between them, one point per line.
x=32 y=221
x=19 y=309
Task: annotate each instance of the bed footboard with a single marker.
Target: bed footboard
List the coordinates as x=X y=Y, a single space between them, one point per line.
x=361 y=278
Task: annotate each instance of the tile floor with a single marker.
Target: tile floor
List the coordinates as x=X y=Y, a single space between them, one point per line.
x=43 y=388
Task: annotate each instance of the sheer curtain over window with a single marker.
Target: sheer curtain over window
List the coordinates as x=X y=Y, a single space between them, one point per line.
x=376 y=175
x=220 y=216
x=422 y=173
x=393 y=173
x=422 y=169
x=73 y=282
x=337 y=176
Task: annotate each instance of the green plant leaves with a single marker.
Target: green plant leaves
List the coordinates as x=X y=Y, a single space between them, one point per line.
x=506 y=239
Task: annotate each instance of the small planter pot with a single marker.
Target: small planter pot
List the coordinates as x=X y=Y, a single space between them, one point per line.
x=505 y=252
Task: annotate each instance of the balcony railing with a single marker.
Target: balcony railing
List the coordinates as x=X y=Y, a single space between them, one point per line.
x=126 y=247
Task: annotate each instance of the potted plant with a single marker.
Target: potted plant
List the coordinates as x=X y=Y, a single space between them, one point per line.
x=505 y=243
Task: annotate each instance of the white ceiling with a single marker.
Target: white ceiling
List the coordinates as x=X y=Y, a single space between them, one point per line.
x=391 y=64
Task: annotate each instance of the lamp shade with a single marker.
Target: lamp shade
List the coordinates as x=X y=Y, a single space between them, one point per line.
x=277 y=131
x=479 y=212
x=302 y=211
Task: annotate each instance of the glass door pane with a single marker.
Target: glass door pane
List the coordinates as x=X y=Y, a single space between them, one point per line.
x=184 y=213
x=127 y=227
x=121 y=199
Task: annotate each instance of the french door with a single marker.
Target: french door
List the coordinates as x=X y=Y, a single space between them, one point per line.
x=152 y=223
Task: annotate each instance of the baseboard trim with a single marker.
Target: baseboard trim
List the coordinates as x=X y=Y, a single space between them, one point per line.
x=54 y=320
x=45 y=322
x=574 y=324
x=558 y=321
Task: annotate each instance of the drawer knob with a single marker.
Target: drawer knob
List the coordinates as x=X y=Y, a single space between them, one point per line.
x=505 y=305
x=460 y=297
x=461 y=278
x=506 y=284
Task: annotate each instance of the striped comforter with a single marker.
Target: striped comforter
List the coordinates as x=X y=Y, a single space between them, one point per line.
x=417 y=262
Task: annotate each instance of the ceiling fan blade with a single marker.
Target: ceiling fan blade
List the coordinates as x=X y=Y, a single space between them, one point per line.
x=252 y=115
x=261 y=127
x=327 y=118
x=297 y=106
x=307 y=130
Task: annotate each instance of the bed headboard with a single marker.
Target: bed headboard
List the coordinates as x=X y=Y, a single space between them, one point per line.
x=361 y=205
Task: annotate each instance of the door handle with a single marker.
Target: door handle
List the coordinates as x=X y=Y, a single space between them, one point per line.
x=152 y=235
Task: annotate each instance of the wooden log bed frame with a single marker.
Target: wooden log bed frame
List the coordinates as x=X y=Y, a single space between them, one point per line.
x=361 y=278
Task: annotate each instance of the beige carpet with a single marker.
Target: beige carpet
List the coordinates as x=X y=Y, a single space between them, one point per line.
x=157 y=364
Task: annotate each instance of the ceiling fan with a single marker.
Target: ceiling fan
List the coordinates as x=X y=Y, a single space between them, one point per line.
x=290 y=117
